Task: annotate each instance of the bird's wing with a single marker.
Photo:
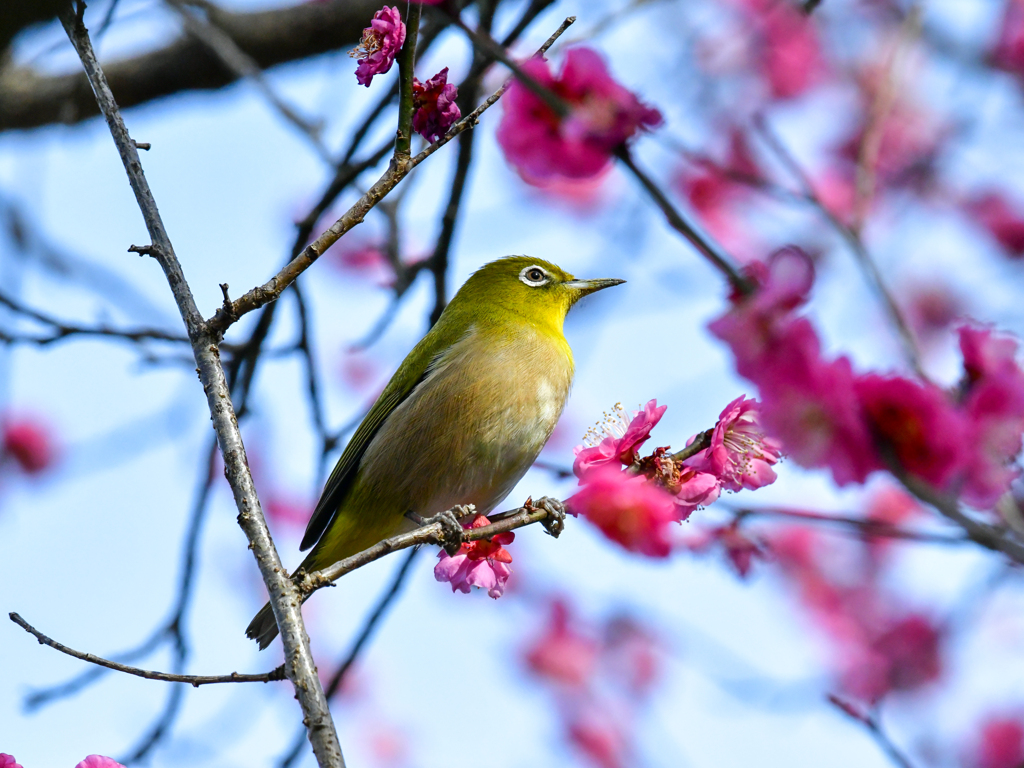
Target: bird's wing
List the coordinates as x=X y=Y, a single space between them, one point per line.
x=410 y=374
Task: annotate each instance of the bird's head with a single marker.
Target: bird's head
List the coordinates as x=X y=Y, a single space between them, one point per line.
x=528 y=287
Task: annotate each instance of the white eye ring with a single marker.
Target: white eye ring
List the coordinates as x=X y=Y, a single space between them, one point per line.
x=529 y=277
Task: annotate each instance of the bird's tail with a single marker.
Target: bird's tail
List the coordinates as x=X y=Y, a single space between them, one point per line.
x=263 y=627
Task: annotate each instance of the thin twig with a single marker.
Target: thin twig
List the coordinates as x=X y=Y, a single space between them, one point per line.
x=193 y=680
x=878 y=117
x=865 y=527
x=874 y=727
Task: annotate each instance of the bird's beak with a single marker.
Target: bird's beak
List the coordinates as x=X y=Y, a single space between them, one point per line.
x=590 y=286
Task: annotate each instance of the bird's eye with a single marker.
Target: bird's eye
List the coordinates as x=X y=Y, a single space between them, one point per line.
x=533 y=276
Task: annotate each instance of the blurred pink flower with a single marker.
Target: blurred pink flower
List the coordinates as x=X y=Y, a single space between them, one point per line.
x=8 y=761
x=28 y=443
x=480 y=563
x=562 y=654
x=994 y=212
x=631 y=655
x=1008 y=52
x=434 y=105
x=791 y=55
x=1000 y=745
x=993 y=402
x=601 y=737
x=360 y=257
x=917 y=422
x=287 y=512
x=381 y=42
x=628 y=509
x=905 y=656
x=739 y=548
x=616 y=440
x=808 y=403
x=932 y=308
x=602 y=115
x=740 y=455
x=911 y=139
x=99 y=761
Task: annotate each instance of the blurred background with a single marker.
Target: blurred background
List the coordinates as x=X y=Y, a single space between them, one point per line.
x=117 y=529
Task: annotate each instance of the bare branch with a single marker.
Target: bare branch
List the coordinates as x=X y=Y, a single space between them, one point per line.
x=193 y=680
x=871 y=723
x=299 y=662
x=369 y=627
x=679 y=223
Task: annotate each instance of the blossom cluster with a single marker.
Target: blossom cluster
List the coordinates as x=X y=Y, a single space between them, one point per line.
x=600 y=116
x=601 y=677
x=961 y=442
x=434 y=107
x=635 y=500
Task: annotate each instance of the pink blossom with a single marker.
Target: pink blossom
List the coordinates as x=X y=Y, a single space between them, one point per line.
x=99 y=761
x=932 y=308
x=434 y=105
x=28 y=443
x=994 y=212
x=740 y=455
x=792 y=58
x=808 y=404
x=1001 y=744
x=904 y=656
x=631 y=655
x=8 y=761
x=739 y=548
x=601 y=737
x=562 y=654
x=695 y=489
x=482 y=563
x=381 y=42
x=616 y=440
x=628 y=509
x=917 y=422
x=540 y=144
x=1008 y=52
x=993 y=404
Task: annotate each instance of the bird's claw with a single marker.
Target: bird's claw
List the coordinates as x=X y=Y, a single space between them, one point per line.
x=450 y=537
x=554 y=523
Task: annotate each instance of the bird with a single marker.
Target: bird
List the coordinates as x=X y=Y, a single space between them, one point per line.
x=461 y=420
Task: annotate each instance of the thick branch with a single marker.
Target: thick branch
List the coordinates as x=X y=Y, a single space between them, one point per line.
x=193 y=680
x=299 y=663
x=29 y=99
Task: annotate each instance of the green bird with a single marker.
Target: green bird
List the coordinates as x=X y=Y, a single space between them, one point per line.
x=462 y=419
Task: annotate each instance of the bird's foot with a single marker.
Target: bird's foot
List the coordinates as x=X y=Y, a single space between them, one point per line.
x=450 y=537
x=554 y=523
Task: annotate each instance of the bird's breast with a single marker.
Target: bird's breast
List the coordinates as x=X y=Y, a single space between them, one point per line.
x=473 y=427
